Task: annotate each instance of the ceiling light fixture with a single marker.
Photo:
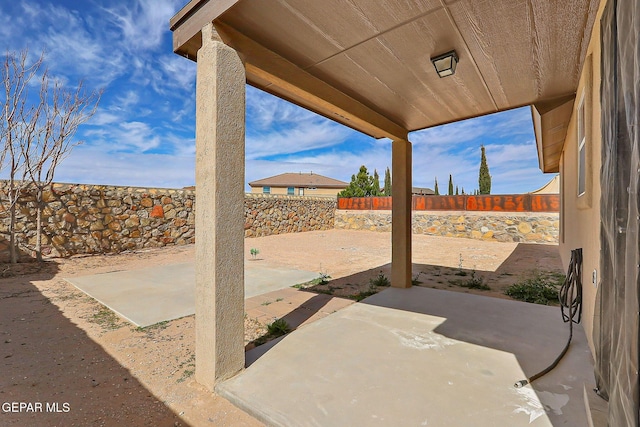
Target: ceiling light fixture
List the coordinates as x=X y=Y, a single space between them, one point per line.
x=445 y=64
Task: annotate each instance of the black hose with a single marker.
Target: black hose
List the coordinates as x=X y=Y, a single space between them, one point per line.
x=570 y=297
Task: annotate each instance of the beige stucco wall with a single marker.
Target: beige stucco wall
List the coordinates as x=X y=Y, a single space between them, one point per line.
x=317 y=192
x=580 y=216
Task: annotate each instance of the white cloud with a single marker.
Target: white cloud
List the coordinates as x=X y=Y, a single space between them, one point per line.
x=90 y=165
x=308 y=136
x=104 y=118
x=179 y=72
x=143 y=22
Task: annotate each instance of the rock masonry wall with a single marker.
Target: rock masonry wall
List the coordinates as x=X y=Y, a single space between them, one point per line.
x=85 y=219
x=497 y=226
x=273 y=214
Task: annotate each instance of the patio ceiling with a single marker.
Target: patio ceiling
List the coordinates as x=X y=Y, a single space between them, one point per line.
x=367 y=64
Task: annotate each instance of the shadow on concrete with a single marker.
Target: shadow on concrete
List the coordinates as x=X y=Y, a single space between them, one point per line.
x=446 y=358
x=534 y=334
x=46 y=359
x=295 y=318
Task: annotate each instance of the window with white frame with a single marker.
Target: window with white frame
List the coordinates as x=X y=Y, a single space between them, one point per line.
x=291 y=191
x=266 y=190
x=582 y=149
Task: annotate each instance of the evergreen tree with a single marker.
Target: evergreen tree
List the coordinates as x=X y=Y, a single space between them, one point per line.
x=450 y=185
x=462 y=191
x=436 y=188
x=387 y=182
x=376 y=183
x=361 y=185
x=484 y=179
x=457 y=191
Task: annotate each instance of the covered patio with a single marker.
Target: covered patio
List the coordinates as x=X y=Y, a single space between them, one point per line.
x=370 y=66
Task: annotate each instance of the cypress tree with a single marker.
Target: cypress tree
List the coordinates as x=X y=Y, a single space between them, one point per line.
x=484 y=179
x=376 y=183
x=457 y=191
x=387 y=182
x=450 y=185
x=436 y=188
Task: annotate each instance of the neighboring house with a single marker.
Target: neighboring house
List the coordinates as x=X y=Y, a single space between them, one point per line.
x=372 y=66
x=299 y=184
x=418 y=191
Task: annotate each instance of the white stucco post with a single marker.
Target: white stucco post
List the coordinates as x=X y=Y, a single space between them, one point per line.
x=220 y=130
x=401 y=214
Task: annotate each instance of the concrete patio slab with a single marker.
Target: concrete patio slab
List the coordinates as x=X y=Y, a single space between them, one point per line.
x=419 y=357
x=151 y=295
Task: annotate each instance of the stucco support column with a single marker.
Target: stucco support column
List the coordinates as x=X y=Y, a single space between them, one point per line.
x=220 y=129
x=401 y=215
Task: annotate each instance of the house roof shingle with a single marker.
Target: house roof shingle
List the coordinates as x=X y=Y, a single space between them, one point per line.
x=299 y=180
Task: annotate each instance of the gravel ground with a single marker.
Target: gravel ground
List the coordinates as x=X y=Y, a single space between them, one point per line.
x=78 y=364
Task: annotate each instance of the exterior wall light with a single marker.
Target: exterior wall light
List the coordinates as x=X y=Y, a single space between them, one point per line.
x=445 y=64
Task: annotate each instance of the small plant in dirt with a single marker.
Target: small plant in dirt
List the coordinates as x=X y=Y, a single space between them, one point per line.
x=186 y=374
x=363 y=294
x=275 y=329
x=106 y=318
x=379 y=281
x=278 y=328
x=415 y=281
x=190 y=368
x=538 y=288
x=322 y=279
x=254 y=253
x=472 y=283
x=155 y=327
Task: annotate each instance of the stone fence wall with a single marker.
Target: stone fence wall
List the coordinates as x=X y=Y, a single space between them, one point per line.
x=276 y=214
x=533 y=227
x=84 y=219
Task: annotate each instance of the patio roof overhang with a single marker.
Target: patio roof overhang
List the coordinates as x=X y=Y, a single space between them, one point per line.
x=368 y=64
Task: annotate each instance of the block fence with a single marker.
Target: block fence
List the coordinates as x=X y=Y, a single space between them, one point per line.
x=495 y=203
x=530 y=218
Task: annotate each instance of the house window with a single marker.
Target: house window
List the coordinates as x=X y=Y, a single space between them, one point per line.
x=301 y=191
x=266 y=190
x=582 y=149
x=291 y=191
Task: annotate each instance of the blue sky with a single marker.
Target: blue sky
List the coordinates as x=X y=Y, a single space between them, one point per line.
x=143 y=132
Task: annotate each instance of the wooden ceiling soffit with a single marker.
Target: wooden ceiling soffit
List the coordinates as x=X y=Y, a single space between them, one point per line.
x=270 y=72
x=188 y=22
x=550 y=123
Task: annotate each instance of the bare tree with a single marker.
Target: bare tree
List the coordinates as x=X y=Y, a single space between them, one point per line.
x=17 y=119
x=61 y=111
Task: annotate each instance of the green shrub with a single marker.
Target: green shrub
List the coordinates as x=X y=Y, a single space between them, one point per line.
x=538 y=288
x=380 y=281
x=472 y=283
x=278 y=328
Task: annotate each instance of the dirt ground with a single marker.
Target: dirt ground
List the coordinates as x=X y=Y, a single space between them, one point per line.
x=85 y=366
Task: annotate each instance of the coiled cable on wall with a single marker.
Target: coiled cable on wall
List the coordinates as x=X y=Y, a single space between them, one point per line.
x=570 y=296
